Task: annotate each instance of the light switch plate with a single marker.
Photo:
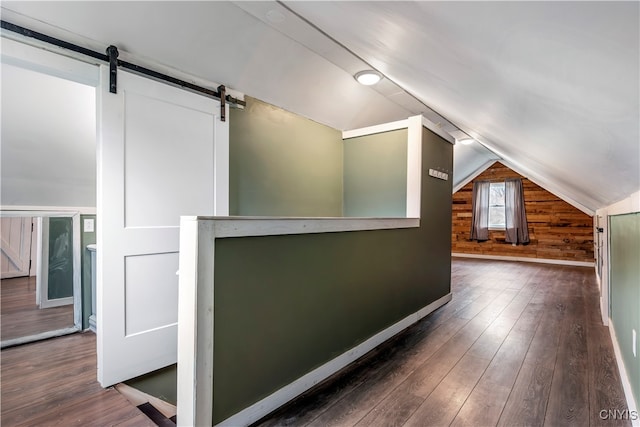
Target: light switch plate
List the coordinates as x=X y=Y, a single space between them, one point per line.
x=89 y=225
x=438 y=174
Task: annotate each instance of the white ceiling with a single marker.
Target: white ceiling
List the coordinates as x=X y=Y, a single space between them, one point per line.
x=552 y=88
x=48 y=134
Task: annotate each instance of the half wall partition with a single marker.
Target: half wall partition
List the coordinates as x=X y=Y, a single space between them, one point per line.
x=269 y=307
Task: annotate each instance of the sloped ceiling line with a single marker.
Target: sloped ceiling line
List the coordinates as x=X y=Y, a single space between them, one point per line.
x=518 y=169
x=457 y=130
x=551 y=87
x=474 y=175
x=431 y=113
x=532 y=78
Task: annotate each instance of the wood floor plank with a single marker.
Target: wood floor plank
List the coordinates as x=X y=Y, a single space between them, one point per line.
x=53 y=382
x=20 y=316
x=428 y=338
x=527 y=402
x=604 y=380
x=442 y=406
x=569 y=395
x=344 y=412
x=528 y=399
x=425 y=378
x=99 y=409
x=519 y=344
x=357 y=404
x=484 y=405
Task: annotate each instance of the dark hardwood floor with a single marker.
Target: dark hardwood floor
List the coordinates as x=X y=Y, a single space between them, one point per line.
x=53 y=383
x=20 y=316
x=520 y=344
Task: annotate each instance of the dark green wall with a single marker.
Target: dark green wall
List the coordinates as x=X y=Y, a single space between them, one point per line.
x=281 y=164
x=86 y=238
x=285 y=305
x=375 y=175
x=624 y=282
x=161 y=384
x=60 y=274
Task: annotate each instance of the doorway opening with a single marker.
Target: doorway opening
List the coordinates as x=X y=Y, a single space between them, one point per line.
x=40 y=286
x=48 y=163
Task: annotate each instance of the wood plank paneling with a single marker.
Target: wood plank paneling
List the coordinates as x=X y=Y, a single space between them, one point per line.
x=557 y=230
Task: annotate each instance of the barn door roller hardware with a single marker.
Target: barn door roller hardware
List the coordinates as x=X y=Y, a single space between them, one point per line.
x=223 y=111
x=112 y=52
x=112 y=58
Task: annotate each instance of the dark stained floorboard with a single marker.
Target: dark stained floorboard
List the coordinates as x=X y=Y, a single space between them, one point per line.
x=53 y=383
x=570 y=387
x=519 y=344
x=20 y=316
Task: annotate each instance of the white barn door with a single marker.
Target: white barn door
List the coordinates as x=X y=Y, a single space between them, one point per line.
x=162 y=153
x=15 y=247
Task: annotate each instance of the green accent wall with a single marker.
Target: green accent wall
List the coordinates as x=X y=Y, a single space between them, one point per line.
x=60 y=274
x=161 y=384
x=624 y=282
x=281 y=164
x=285 y=305
x=375 y=175
x=86 y=238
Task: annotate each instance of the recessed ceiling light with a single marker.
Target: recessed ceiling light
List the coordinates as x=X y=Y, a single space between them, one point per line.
x=368 y=77
x=466 y=141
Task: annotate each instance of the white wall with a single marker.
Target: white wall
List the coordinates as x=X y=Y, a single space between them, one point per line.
x=48 y=145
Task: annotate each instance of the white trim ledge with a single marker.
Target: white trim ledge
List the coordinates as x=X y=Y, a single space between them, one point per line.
x=270 y=403
x=45 y=210
x=274 y=226
x=525 y=259
x=400 y=124
x=370 y=130
x=626 y=385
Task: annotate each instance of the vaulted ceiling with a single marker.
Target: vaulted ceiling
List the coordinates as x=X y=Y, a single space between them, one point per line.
x=551 y=88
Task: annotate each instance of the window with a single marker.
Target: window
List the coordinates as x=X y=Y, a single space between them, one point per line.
x=499 y=206
x=496 y=205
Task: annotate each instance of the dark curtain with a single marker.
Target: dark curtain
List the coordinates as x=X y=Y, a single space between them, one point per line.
x=480 y=214
x=517 y=230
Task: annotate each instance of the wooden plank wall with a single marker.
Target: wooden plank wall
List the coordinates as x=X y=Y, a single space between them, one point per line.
x=557 y=230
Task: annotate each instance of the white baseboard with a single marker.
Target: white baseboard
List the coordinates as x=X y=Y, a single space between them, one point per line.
x=525 y=259
x=626 y=385
x=38 y=337
x=272 y=402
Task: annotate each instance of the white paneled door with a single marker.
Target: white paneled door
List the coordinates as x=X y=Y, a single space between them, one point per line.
x=162 y=153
